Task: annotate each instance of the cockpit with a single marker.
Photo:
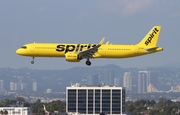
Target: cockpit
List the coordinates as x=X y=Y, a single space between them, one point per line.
x=23 y=47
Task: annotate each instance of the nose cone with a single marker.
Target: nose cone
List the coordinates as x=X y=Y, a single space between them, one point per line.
x=19 y=52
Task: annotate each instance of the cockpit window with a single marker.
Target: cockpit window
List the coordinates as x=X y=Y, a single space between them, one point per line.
x=24 y=47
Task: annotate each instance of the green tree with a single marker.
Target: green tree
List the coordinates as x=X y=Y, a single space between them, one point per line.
x=20 y=99
x=37 y=107
x=130 y=108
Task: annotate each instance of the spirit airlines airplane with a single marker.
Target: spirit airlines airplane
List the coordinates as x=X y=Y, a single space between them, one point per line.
x=77 y=52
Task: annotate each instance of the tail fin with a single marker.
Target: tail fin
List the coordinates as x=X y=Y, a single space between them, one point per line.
x=150 y=40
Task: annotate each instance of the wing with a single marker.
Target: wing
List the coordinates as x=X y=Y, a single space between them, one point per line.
x=91 y=51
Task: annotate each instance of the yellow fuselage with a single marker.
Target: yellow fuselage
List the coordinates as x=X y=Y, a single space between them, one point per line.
x=104 y=51
x=77 y=52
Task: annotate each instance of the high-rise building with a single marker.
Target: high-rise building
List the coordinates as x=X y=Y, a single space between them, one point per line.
x=12 y=87
x=93 y=100
x=94 y=79
x=17 y=86
x=127 y=82
x=111 y=74
x=143 y=81
x=116 y=81
x=108 y=77
x=1 y=84
x=154 y=79
x=34 y=86
x=23 y=86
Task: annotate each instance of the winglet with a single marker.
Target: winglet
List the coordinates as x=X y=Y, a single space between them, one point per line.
x=107 y=42
x=102 y=41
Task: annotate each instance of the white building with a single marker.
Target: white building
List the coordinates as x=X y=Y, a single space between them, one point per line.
x=12 y=87
x=143 y=81
x=93 y=100
x=1 y=84
x=16 y=110
x=127 y=81
x=49 y=91
x=116 y=81
x=34 y=88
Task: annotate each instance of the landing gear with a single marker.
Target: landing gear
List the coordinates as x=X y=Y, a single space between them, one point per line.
x=88 y=63
x=32 y=62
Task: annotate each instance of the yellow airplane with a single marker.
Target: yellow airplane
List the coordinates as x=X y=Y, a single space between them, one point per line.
x=77 y=52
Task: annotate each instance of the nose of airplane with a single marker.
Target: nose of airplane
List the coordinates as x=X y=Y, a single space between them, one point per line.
x=18 y=51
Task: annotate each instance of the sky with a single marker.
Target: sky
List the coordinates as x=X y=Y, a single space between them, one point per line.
x=82 y=21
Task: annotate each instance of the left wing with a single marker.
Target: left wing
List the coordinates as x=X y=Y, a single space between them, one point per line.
x=91 y=51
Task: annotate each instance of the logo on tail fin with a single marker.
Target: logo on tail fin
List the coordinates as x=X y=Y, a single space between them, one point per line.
x=151 y=36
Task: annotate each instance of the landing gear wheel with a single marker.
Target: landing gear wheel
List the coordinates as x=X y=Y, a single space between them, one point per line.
x=32 y=62
x=88 y=63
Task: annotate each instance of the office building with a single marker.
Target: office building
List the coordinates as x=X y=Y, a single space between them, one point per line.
x=143 y=81
x=116 y=81
x=127 y=81
x=12 y=87
x=94 y=79
x=1 y=84
x=34 y=88
x=93 y=100
x=17 y=86
x=154 y=78
x=108 y=77
x=23 y=86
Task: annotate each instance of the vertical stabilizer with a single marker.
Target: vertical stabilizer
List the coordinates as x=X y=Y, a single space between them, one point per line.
x=150 y=40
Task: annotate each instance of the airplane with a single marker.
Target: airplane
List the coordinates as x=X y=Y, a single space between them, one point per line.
x=76 y=52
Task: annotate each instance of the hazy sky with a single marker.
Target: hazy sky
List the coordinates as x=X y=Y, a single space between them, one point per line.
x=83 y=21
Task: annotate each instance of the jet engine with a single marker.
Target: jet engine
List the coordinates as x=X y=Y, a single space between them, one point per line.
x=72 y=57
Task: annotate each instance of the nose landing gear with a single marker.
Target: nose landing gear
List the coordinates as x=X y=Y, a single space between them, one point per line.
x=32 y=62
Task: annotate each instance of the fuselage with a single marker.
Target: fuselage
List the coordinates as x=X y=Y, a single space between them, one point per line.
x=104 y=51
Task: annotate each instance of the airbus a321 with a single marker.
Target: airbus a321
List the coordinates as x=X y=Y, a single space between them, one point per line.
x=77 y=52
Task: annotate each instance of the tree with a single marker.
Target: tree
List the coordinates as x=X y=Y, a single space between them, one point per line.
x=20 y=99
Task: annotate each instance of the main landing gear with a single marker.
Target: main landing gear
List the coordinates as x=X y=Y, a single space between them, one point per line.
x=88 y=62
x=32 y=62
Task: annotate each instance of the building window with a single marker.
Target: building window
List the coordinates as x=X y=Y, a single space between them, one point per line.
x=71 y=100
x=82 y=101
x=106 y=101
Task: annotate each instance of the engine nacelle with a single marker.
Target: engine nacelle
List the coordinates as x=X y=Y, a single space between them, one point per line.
x=72 y=57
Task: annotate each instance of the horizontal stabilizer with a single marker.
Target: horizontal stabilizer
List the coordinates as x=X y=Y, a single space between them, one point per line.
x=154 y=49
